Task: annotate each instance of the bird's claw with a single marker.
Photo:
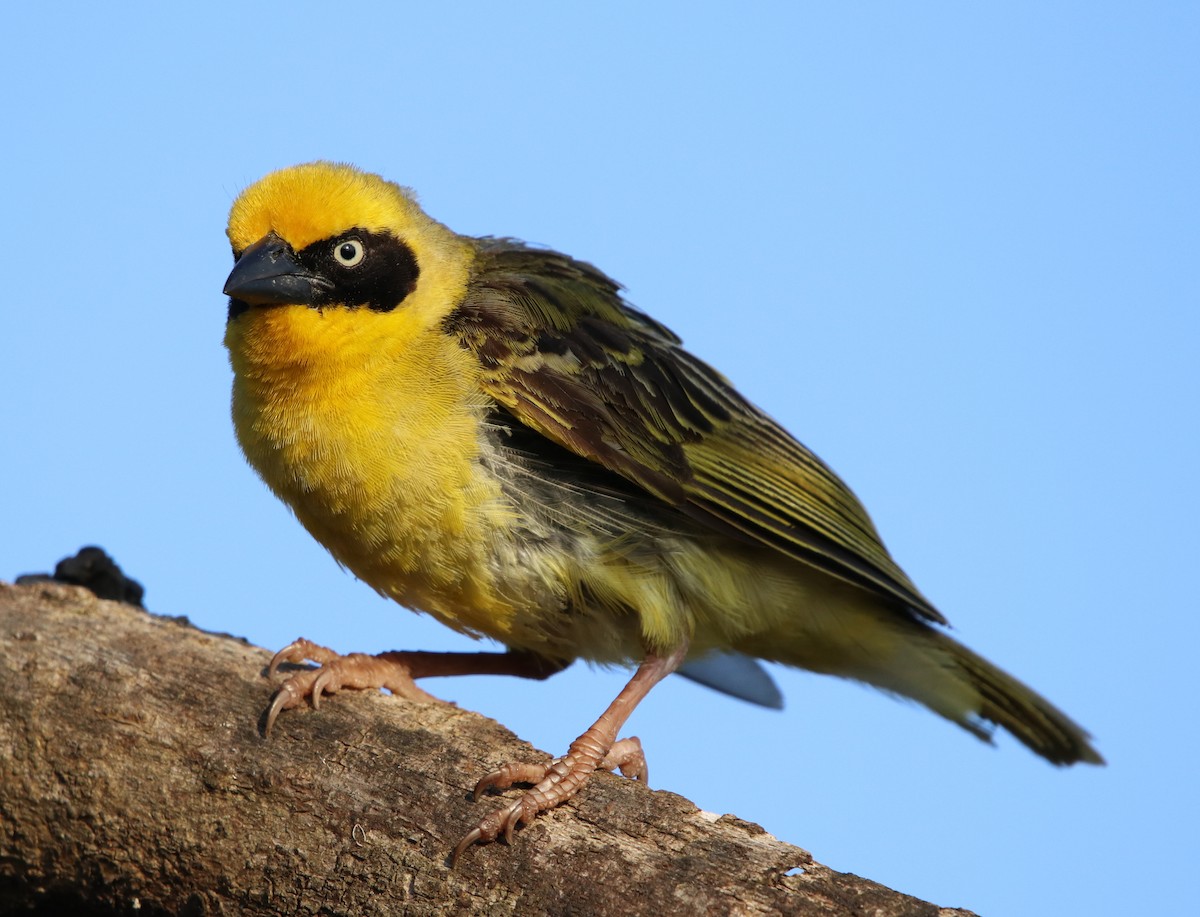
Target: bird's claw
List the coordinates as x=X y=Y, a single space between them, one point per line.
x=627 y=756
x=553 y=784
x=284 y=699
x=307 y=684
x=501 y=822
x=298 y=651
x=337 y=672
x=473 y=836
x=506 y=776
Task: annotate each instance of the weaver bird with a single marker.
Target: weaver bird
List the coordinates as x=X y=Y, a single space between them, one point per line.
x=488 y=432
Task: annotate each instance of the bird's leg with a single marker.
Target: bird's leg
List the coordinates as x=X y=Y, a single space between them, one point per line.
x=562 y=778
x=394 y=671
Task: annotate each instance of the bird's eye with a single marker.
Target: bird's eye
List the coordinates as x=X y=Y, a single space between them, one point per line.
x=349 y=252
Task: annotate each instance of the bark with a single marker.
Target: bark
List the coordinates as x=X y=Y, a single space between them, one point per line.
x=134 y=777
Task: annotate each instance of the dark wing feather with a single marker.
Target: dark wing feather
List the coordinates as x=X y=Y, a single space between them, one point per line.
x=573 y=361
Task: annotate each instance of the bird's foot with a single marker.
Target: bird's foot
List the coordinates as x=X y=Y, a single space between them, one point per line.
x=554 y=784
x=359 y=671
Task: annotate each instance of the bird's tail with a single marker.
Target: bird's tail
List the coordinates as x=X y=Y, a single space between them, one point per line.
x=1020 y=710
x=871 y=643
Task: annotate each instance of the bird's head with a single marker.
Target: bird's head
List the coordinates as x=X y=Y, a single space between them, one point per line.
x=324 y=236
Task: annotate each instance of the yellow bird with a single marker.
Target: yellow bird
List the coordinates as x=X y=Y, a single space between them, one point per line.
x=488 y=432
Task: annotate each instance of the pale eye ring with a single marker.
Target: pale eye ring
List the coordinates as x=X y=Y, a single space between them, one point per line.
x=349 y=252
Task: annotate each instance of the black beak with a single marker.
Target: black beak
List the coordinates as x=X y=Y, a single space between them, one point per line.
x=268 y=274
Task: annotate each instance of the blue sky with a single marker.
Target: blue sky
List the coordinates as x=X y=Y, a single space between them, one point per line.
x=952 y=247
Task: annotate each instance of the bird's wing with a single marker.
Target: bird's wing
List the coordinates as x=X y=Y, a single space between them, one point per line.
x=570 y=359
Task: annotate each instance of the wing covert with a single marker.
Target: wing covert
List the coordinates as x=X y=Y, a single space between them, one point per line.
x=572 y=360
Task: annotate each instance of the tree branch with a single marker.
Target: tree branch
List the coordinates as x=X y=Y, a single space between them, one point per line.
x=134 y=777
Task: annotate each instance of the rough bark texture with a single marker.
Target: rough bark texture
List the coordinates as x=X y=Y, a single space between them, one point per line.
x=134 y=778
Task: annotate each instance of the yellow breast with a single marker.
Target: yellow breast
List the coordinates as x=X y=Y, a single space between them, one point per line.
x=367 y=426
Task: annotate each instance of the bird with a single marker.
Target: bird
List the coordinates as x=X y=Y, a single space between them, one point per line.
x=488 y=432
